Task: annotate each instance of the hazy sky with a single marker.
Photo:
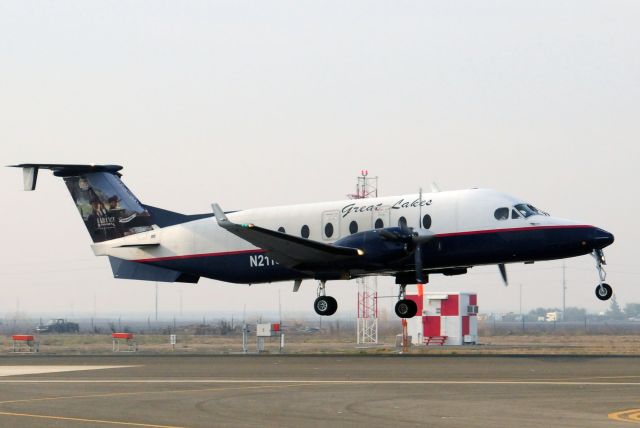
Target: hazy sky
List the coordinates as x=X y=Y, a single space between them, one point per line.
x=262 y=103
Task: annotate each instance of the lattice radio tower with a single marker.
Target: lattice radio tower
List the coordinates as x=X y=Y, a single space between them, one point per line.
x=367 y=323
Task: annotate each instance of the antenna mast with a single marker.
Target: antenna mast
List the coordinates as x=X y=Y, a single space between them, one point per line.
x=367 y=322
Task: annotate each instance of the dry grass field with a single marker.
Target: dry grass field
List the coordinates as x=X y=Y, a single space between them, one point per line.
x=543 y=344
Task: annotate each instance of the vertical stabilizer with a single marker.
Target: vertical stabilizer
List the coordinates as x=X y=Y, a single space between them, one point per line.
x=108 y=208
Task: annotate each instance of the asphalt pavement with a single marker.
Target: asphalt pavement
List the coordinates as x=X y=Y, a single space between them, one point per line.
x=318 y=391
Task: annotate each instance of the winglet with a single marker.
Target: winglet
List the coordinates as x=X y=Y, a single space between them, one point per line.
x=30 y=175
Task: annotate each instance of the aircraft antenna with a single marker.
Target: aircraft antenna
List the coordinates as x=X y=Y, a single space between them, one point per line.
x=420 y=210
x=367 y=320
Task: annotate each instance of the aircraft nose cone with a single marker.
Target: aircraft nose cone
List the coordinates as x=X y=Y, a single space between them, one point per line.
x=601 y=238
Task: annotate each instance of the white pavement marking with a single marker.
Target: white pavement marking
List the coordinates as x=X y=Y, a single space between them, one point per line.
x=326 y=382
x=25 y=370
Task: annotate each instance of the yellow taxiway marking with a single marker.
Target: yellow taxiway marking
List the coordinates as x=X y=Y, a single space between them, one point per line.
x=632 y=415
x=116 y=394
x=93 y=421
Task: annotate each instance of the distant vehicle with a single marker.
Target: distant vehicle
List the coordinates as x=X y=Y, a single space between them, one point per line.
x=58 y=325
x=309 y=330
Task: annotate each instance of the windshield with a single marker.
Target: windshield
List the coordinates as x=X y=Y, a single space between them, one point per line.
x=528 y=210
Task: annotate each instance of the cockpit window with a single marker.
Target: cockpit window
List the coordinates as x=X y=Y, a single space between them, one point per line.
x=501 y=213
x=515 y=215
x=527 y=210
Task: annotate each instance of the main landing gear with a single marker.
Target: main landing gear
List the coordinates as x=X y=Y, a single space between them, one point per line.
x=324 y=305
x=405 y=308
x=603 y=290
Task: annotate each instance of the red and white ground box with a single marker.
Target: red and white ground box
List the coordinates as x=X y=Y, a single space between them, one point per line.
x=448 y=318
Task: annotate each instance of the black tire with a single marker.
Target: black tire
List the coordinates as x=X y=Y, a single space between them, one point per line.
x=406 y=308
x=325 y=306
x=605 y=292
x=333 y=305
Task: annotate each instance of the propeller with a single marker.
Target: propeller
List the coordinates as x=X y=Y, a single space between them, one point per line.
x=418 y=261
x=503 y=273
x=414 y=241
x=413 y=238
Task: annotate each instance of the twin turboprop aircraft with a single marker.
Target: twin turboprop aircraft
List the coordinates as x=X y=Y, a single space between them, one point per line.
x=408 y=237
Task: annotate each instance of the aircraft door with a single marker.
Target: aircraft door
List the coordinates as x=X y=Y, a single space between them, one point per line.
x=380 y=217
x=330 y=225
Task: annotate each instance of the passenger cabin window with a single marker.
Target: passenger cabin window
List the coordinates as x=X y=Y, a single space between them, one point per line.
x=353 y=227
x=426 y=221
x=379 y=224
x=281 y=229
x=402 y=222
x=501 y=213
x=328 y=230
x=304 y=232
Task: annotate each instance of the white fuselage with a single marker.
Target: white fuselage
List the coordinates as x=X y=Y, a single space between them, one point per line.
x=450 y=212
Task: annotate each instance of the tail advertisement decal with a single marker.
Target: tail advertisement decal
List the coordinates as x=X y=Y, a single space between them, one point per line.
x=107 y=206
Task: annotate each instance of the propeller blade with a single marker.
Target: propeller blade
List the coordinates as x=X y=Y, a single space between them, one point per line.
x=405 y=229
x=503 y=273
x=418 y=262
x=422 y=236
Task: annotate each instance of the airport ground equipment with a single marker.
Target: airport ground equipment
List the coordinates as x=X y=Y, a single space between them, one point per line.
x=245 y=337
x=58 y=325
x=125 y=339
x=25 y=343
x=268 y=330
x=448 y=318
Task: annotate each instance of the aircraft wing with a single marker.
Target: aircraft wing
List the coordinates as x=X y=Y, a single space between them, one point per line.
x=290 y=251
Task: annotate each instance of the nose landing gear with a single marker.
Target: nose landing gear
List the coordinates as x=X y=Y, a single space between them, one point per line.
x=324 y=305
x=405 y=308
x=603 y=290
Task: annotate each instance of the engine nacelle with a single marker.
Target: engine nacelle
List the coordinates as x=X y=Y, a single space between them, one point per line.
x=379 y=245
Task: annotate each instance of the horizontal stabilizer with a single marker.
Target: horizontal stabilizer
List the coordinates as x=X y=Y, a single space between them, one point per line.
x=66 y=170
x=125 y=269
x=288 y=250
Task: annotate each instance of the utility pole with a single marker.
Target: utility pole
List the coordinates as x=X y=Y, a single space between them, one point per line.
x=156 y=301
x=521 y=314
x=564 y=289
x=520 y=300
x=279 y=309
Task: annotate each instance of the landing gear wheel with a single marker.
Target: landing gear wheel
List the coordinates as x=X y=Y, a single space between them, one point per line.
x=406 y=308
x=604 y=291
x=325 y=305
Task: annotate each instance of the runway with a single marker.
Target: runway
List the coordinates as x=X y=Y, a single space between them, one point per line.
x=340 y=390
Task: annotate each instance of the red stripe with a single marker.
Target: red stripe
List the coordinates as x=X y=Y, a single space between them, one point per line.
x=515 y=229
x=194 y=256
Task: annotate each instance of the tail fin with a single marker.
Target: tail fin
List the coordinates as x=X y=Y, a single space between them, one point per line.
x=108 y=208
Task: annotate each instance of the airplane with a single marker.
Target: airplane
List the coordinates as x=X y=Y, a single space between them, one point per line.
x=409 y=237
